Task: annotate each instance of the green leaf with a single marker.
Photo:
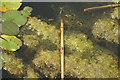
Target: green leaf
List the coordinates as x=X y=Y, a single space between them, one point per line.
x=27 y=8
x=15 y=17
x=9 y=28
x=9 y=5
x=11 y=43
x=26 y=11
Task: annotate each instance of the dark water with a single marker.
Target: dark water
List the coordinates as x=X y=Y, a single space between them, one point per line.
x=45 y=9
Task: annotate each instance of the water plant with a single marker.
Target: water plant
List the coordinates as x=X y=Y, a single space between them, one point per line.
x=14 y=16
x=107 y=29
x=6 y=5
x=11 y=43
x=9 y=28
x=11 y=20
x=39 y=56
x=81 y=56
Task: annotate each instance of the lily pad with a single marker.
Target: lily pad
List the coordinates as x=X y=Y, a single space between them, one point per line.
x=26 y=11
x=14 y=16
x=9 y=5
x=9 y=28
x=11 y=43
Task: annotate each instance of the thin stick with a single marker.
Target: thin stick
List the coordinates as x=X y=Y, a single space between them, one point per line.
x=100 y=7
x=62 y=49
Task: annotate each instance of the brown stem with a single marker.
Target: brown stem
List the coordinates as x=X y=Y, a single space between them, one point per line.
x=62 y=49
x=100 y=7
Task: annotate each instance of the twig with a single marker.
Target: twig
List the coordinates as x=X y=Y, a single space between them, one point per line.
x=62 y=49
x=100 y=7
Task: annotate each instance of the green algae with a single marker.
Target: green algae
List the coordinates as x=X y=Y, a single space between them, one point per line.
x=31 y=41
x=44 y=29
x=115 y=13
x=85 y=61
x=48 y=63
x=78 y=42
x=31 y=73
x=12 y=64
x=108 y=27
x=101 y=65
x=17 y=67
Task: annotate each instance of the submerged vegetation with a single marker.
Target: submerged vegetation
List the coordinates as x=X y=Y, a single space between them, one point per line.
x=39 y=57
x=106 y=28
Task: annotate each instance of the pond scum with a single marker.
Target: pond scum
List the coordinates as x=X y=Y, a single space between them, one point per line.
x=83 y=58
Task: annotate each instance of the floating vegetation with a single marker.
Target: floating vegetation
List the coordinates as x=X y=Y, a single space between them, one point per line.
x=14 y=16
x=43 y=29
x=31 y=73
x=9 y=28
x=78 y=42
x=12 y=64
x=115 y=14
x=10 y=43
x=6 y=5
x=107 y=29
x=85 y=55
x=26 y=11
x=10 y=21
x=48 y=63
x=101 y=64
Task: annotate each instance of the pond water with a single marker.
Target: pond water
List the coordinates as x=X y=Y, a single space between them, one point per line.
x=91 y=42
